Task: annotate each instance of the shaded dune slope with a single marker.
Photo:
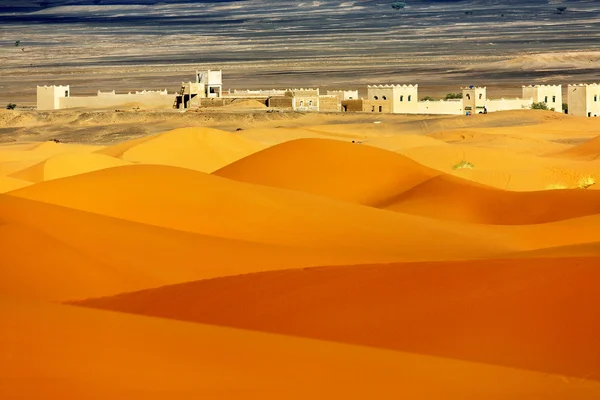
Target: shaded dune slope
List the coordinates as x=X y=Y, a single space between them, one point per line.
x=451 y=198
x=533 y=314
x=195 y=202
x=587 y=151
x=57 y=351
x=339 y=170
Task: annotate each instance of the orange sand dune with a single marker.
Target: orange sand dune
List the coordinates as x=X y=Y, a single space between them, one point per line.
x=62 y=352
x=331 y=168
x=67 y=165
x=56 y=253
x=8 y=184
x=587 y=151
x=451 y=198
x=200 y=203
x=201 y=149
x=536 y=314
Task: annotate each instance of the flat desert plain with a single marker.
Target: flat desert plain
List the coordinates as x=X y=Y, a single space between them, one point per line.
x=312 y=256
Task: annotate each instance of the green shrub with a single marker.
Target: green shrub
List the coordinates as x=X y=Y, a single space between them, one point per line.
x=463 y=165
x=450 y=96
x=539 y=106
x=11 y=106
x=427 y=98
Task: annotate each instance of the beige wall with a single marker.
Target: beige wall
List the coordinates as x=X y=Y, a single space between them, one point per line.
x=474 y=98
x=403 y=98
x=442 y=107
x=48 y=97
x=584 y=100
x=119 y=100
x=506 y=105
x=549 y=94
x=329 y=103
x=344 y=94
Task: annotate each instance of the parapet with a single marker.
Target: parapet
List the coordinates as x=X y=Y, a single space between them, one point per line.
x=54 y=86
x=393 y=86
x=473 y=87
x=584 y=84
x=533 y=86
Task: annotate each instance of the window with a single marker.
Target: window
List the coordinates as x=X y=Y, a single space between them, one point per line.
x=595 y=97
x=554 y=99
x=380 y=109
x=401 y=98
x=384 y=98
x=310 y=103
x=480 y=96
x=468 y=96
x=301 y=103
x=409 y=97
x=376 y=97
x=372 y=108
x=66 y=93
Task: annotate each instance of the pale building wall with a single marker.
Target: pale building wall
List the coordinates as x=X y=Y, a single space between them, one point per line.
x=549 y=94
x=506 y=105
x=403 y=98
x=304 y=99
x=344 y=94
x=48 y=97
x=584 y=100
x=255 y=93
x=329 y=103
x=474 y=98
x=142 y=100
x=442 y=107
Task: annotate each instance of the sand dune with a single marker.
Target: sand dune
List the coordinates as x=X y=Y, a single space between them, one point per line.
x=529 y=314
x=201 y=149
x=451 y=198
x=373 y=270
x=331 y=168
x=8 y=184
x=67 y=165
x=56 y=351
x=200 y=203
x=108 y=255
x=587 y=151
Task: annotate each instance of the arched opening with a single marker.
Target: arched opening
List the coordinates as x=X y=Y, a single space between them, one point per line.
x=376 y=97
x=409 y=97
x=595 y=97
x=480 y=96
x=384 y=98
x=546 y=99
x=301 y=103
x=310 y=103
x=401 y=98
x=468 y=96
x=554 y=99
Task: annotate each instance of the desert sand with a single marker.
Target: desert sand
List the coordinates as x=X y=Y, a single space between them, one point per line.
x=315 y=256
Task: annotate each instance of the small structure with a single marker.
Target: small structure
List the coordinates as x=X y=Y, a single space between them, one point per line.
x=584 y=100
x=474 y=98
x=304 y=99
x=209 y=84
x=344 y=94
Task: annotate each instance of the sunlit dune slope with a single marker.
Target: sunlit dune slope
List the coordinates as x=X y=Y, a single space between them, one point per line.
x=534 y=314
x=201 y=149
x=62 y=352
x=201 y=203
x=67 y=165
x=451 y=198
x=339 y=170
x=55 y=253
x=587 y=151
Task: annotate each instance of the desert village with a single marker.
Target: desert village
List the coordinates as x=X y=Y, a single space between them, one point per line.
x=207 y=91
